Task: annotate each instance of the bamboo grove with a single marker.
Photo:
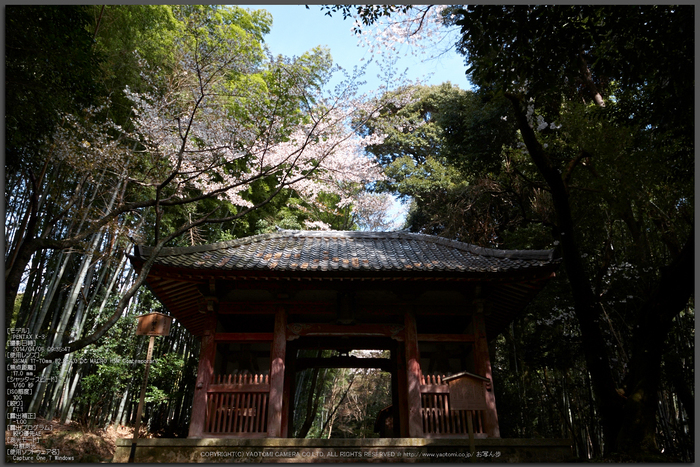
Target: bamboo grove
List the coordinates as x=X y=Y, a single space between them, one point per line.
x=154 y=125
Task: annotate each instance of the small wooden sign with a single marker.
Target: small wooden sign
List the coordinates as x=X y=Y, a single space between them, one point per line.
x=467 y=391
x=153 y=324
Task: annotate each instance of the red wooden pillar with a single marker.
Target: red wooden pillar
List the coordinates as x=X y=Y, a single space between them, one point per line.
x=205 y=371
x=415 y=420
x=401 y=424
x=289 y=390
x=482 y=365
x=276 y=400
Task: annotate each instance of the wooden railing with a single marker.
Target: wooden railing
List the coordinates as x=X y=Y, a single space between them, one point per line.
x=237 y=405
x=438 y=419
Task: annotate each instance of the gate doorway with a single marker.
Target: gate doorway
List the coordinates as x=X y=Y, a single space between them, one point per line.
x=343 y=387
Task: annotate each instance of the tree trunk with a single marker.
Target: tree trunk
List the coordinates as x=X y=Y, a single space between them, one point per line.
x=629 y=423
x=35 y=325
x=331 y=417
x=69 y=398
x=670 y=297
x=120 y=410
x=32 y=293
x=586 y=306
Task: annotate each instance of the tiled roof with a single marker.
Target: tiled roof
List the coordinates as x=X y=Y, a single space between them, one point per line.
x=336 y=251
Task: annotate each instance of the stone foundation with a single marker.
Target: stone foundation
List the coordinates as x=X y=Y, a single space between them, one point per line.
x=344 y=450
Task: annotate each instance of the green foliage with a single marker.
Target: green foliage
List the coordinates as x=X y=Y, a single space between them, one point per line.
x=128 y=36
x=455 y=155
x=369 y=394
x=51 y=66
x=415 y=180
x=608 y=133
x=116 y=365
x=415 y=129
x=542 y=53
x=152 y=31
x=618 y=162
x=146 y=303
x=107 y=372
x=164 y=373
x=477 y=129
x=106 y=382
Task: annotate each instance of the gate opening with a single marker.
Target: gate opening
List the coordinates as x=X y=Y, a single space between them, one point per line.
x=347 y=390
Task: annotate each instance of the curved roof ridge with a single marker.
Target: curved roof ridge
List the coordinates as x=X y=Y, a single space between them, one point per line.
x=542 y=255
x=483 y=251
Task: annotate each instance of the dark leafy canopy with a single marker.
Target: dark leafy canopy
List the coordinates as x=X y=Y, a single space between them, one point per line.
x=641 y=55
x=413 y=129
x=602 y=97
x=636 y=149
x=638 y=60
x=42 y=81
x=443 y=121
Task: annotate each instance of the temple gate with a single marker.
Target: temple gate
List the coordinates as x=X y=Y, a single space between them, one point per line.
x=255 y=302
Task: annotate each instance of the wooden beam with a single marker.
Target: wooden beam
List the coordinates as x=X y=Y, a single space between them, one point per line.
x=246 y=387
x=446 y=337
x=434 y=388
x=166 y=284
x=189 y=297
x=343 y=362
x=270 y=306
x=244 y=336
x=351 y=343
x=187 y=300
x=296 y=330
x=179 y=291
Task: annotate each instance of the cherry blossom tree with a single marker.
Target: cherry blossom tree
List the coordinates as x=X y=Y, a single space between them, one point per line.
x=376 y=212
x=225 y=117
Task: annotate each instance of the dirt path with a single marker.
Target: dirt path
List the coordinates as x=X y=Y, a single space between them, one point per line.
x=57 y=442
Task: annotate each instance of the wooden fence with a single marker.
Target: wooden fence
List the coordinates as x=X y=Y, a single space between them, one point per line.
x=237 y=406
x=438 y=420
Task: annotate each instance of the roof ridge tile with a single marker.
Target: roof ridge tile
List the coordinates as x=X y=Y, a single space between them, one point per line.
x=397 y=250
